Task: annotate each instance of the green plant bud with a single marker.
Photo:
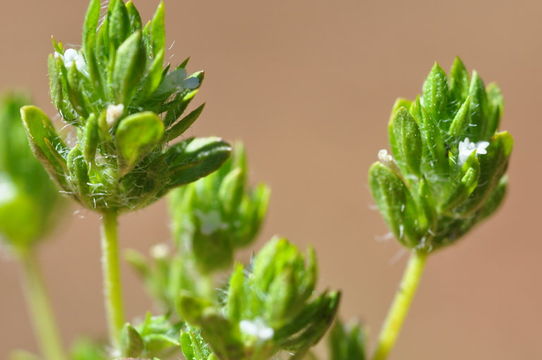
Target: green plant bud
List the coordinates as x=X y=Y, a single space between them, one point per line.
x=269 y=308
x=26 y=190
x=218 y=214
x=433 y=199
x=312 y=324
x=127 y=108
x=155 y=337
x=346 y=342
x=131 y=343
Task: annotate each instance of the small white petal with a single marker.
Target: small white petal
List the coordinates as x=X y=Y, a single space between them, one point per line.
x=385 y=157
x=466 y=148
x=481 y=147
x=113 y=113
x=211 y=222
x=7 y=191
x=71 y=57
x=256 y=328
x=160 y=251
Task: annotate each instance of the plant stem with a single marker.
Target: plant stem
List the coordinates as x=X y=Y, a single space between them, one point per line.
x=40 y=309
x=111 y=276
x=401 y=304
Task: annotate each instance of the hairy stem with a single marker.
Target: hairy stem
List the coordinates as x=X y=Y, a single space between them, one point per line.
x=111 y=276
x=40 y=310
x=401 y=304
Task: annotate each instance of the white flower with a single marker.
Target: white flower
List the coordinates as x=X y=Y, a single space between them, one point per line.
x=7 y=190
x=210 y=222
x=256 y=328
x=466 y=148
x=72 y=56
x=385 y=157
x=160 y=251
x=113 y=113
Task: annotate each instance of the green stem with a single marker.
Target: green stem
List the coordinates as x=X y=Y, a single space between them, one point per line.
x=40 y=309
x=111 y=276
x=401 y=304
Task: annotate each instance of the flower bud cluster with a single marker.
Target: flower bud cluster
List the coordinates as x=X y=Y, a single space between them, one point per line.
x=446 y=171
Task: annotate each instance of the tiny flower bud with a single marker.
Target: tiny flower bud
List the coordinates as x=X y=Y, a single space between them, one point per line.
x=114 y=112
x=256 y=328
x=436 y=187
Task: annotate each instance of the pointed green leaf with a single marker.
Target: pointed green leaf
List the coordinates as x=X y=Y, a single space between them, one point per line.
x=459 y=80
x=158 y=29
x=478 y=108
x=405 y=141
x=496 y=106
x=194 y=158
x=346 y=343
x=45 y=142
x=400 y=103
x=78 y=175
x=395 y=203
x=178 y=106
x=134 y=17
x=236 y=295
x=184 y=124
x=435 y=94
x=119 y=23
x=58 y=82
x=132 y=344
x=495 y=200
x=78 y=91
x=434 y=155
x=461 y=121
x=129 y=68
x=90 y=28
x=91 y=139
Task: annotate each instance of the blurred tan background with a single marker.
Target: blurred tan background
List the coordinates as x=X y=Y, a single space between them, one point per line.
x=308 y=86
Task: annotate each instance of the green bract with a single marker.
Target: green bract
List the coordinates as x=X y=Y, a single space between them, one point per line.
x=346 y=342
x=447 y=172
x=218 y=214
x=126 y=108
x=268 y=308
x=28 y=199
